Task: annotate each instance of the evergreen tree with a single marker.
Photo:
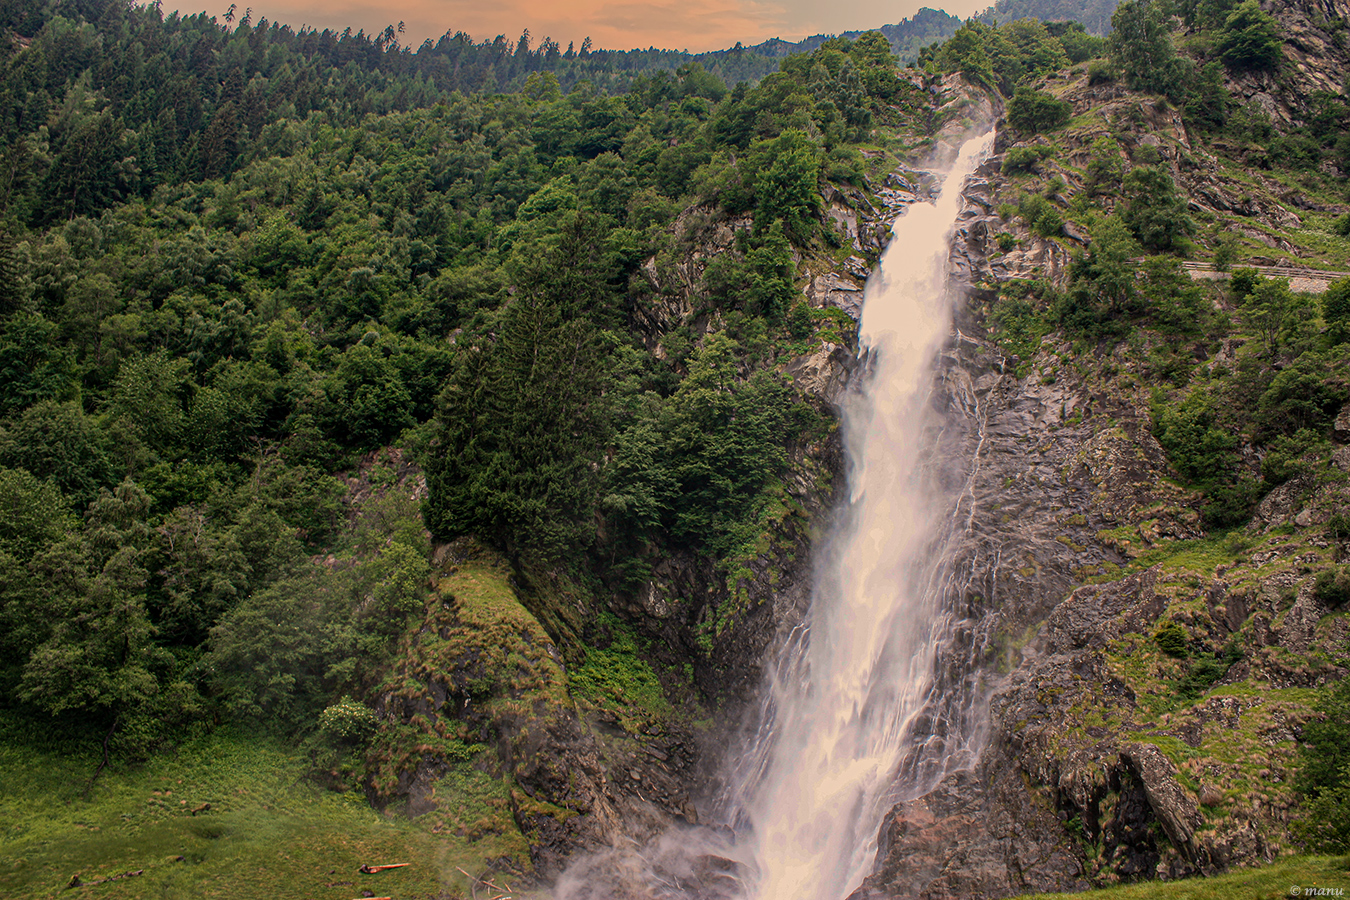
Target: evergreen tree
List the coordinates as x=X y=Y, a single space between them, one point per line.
x=1153 y=210
x=523 y=419
x=1250 y=38
x=1141 y=48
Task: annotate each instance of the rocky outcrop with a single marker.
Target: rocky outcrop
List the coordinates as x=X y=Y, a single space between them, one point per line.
x=940 y=845
x=1176 y=808
x=1316 y=58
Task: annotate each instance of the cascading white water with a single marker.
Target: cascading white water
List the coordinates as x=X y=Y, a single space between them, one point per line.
x=850 y=682
x=852 y=720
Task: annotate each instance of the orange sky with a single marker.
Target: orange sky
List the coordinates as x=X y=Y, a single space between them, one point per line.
x=612 y=24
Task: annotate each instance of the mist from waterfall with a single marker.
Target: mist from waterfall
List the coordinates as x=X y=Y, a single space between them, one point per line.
x=837 y=743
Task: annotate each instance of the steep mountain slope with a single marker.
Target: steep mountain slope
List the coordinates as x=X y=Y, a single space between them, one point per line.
x=1147 y=725
x=608 y=335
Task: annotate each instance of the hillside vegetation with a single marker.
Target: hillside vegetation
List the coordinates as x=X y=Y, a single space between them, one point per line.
x=360 y=398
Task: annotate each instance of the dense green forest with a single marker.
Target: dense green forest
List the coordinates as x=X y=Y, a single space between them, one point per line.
x=239 y=262
x=234 y=265
x=237 y=258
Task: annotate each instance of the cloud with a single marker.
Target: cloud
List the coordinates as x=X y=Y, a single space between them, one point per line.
x=694 y=25
x=680 y=24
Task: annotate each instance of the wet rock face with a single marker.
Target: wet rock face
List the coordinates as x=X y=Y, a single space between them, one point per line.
x=941 y=845
x=1053 y=462
x=1090 y=744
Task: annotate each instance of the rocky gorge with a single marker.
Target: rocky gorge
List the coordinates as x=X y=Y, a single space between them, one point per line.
x=1079 y=545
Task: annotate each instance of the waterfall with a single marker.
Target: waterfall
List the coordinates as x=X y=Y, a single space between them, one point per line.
x=838 y=741
x=852 y=719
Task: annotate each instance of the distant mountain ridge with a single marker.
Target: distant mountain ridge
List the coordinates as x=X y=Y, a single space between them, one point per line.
x=906 y=36
x=927 y=25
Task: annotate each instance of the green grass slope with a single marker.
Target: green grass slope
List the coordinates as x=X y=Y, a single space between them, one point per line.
x=1302 y=876
x=268 y=831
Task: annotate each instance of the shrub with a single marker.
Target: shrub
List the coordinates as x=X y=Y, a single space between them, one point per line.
x=1078 y=45
x=1018 y=328
x=1332 y=586
x=1338 y=527
x=1241 y=283
x=1146 y=155
x=275 y=656
x=1250 y=39
x=1296 y=151
x=1153 y=209
x=1032 y=111
x=1171 y=639
x=1225 y=252
x=1336 y=310
x=786 y=182
x=1102 y=297
x=1325 y=824
x=1229 y=505
x=1100 y=72
x=1141 y=48
x=799 y=321
x=348 y=721
x=1196 y=446
x=1292 y=455
x=1209 y=102
x=1105 y=168
x=1041 y=215
x=1306 y=394
x=1324 y=779
x=1049 y=223
x=1020 y=160
x=1204 y=671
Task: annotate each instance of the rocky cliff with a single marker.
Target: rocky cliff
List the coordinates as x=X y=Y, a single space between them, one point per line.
x=1114 y=755
x=1316 y=58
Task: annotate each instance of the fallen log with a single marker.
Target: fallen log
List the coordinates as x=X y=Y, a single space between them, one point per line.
x=76 y=881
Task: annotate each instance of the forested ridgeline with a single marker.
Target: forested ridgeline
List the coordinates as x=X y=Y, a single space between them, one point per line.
x=194 y=91
x=311 y=69
x=906 y=37
x=233 y=266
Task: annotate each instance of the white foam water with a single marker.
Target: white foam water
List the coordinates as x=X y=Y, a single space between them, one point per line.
x=852 y=718
x=837 y=725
